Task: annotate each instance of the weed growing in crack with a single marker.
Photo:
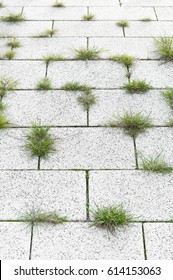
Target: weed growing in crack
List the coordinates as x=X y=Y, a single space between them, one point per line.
x=164 y=48
x=13 y=18
x=88 y=17
x=87 y=100
x=46 y=34
x=7 y=84
x=111 y=217
x=14 y=44
x=170 y=123
x=4 y=123
x=156 y=164
x=2 y=106
x=137 y=86
x=146 y=20
x=126 y=60
x=52 y=57
x=168 y=96
x=10 y=54
x=88 y=53
x=1 y=5
x=39 y=142
x=76 y=86
x=44 y=84
x=132 y=123
x=123 y=23
x=58 y=4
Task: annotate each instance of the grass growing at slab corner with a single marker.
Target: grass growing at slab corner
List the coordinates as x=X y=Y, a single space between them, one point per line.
x=133 y=123
x=164 y=48
x=111 y=217
x=122 y=23
x=4 y=123
x=13 y=18
x=146 y=20
x=1 y=5
x=10 y=54
x=125 y=59
x=170 y=123
x=44 y=84
x=7 y=84
x=168 y=96
x=88 y=17
x=156 y=164
x=2 y=106
x=46 y=34
x=76 y=86
x=88 y=53
x=137 y=86
x=58 y=4
x=87 y=100
x=14 y=44
x=52 y=57
x=39 y=142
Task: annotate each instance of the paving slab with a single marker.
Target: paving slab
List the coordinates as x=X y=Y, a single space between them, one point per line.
x=55 y=108
x=88 y=29
x=147 y=3
x=80 y=241
x=6 y=11
x=12 y=151
x=157 y=141
x=90 y=148
x=120 y=13
x=165 y=13
x=15 y=241
x=157 y=73
x=159 y=242
x=87 y=72
x=149 y=29
x=23 y=191
x=142 y=48
x=140 y=192
x=46 y=13
x=27 y=73
x=117 y=102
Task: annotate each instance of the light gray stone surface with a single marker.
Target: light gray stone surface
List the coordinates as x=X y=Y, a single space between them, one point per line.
x=54 y=108
x=87 y=72
x=6 y=11
x=165 y=13
x=159 y=242
x=117 y=102
x=12 y=151
x=147 y=3
x=80 y=241
x=149 y=29
x=90 y=148
x=15 y=241
x=23 y=191
x=143 y=194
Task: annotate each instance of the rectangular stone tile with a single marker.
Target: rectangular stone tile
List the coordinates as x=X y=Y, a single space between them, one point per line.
x=159 y=242
x=149 y=29
x=27 y=28
x=25 y=191
x=98 y=74
x=27 y=73
x=157 y=141
x=88 y=29
x=12 y=151
x=80 y=241
x=46 y=13
x=120 y=13
x=144 y=195
x=117 y=102
x=147 y=3
x=36 y=48
x=158 y=74
x=165 y=13
x=90 y=148
x=15 y=241
x=142 y=48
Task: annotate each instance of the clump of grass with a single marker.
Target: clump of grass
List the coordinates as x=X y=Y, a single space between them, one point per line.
x=164 y=48
x=2 y=106
x=4 y=123
x=87 y=100
x=137 y=86
x=133 y=123
x=52 y=57
x=39 y=142
x=44 y=84
x=168 y=96
x=125 y=59
x=40 y=217
x=87 y=53
x=146 y=19
x=88 y=17
x=7 y=84
x=76 y=86
x=10 y=54
x=170 y=123
x=58 y=4
x=156 y=164
x=123 y=23
x=47 y=33
x=111 y=217
x=13 y=18
x=14 y=44
x=1 y=5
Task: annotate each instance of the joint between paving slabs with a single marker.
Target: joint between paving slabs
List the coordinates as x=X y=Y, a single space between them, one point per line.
x=144 y=242
x=31 y=241
x=136 y=153
x=120 y=3
x=87 y=195
x=155 y=13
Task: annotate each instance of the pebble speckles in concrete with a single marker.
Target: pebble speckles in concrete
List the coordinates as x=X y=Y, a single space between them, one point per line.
x=62 y=191
x=91 y=148
x=159 y=242
x=60 y=242
x=143 y=194
x=15 y=241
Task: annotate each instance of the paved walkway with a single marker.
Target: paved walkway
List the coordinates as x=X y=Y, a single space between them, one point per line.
x=93 y=164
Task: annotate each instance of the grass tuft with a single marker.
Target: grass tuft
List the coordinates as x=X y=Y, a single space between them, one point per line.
x=88 y=53
x=14 y=44
x=137 y=86
x=39 y=142
x=4 y=123
x=111 y=217
x=170 y=123
x=156 y=164
x=52 y=57
x=76 y=86
x=164 y=48
x=10 y=54
x=125 y=59
x=1 y=5
x=88 y=17
x=7 y=84
x=46 y=34
x=44 y=84
x=133 y=123
x=87 y=100
x=58 y=4
x=13 y=18
x=168 y=96
x=146 y=20
x=2 y=106
x=123 y=23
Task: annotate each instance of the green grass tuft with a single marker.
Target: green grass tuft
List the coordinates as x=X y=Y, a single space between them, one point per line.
x=87 y=100
x=39 y=142
x=133 y=123
x=164 y=48
x=88 y=17
x=52 y=57
x=156 y=164
x=146 y=20
x=125 y=59
x=76 y=86
x=44 y=84
x=14 y=44
x=111 y=217
x=58 y=4
x=4 y=123
x=168 y=96
x=13 y=18
x=137 y=86
x=88 y=53
x=10 y=54
x=46 y=34
x=123 y=23
x=170 y=123
x=1 y=5
x=2 y=106
x=7 y=84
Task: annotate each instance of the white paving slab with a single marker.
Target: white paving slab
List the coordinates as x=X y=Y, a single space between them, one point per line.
x=87 y=72
x=63 y=192
x=7 y=10
x=147 y=3
x=117 y=102
x=27 y=73
x=120 y=13
x=149 y=29
x=165 y=13
x=56 y=108
x=157 y=141
x=90 y=148
x=141 y=193
x=80 y=241
x=159 y=242
x=12 y=151
x=15 y=241
x=88 y=29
